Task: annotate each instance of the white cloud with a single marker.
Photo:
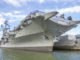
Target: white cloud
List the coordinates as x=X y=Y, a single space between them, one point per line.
x=41 y=1
x=17 y=12
x=12 y=21
x=18 y=3
x=14 y=14
x=70 y=9
x=63 y=1
x=7 y=14
x=1 y=19
x=74 y=9
x=13 y=2
x=0 y=15
x=12 y=17
x=21 y=2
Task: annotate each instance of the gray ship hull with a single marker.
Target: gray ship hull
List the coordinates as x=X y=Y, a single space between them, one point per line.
x=35 y=42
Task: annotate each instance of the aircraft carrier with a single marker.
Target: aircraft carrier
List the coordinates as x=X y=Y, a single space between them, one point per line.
x=36 y=32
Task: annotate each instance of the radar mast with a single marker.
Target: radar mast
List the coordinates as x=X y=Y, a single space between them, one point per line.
x=6 y=30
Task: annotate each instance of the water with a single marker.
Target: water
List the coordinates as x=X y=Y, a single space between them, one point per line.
x=9 y=54
x=67 y=55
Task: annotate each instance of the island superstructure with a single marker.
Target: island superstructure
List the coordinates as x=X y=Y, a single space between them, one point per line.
x=36 y=32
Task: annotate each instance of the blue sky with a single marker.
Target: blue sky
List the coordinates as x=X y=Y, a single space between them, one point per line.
x=15 y=10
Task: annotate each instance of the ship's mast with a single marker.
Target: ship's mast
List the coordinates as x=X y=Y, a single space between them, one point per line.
x=6 y=27
x=6 y=30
